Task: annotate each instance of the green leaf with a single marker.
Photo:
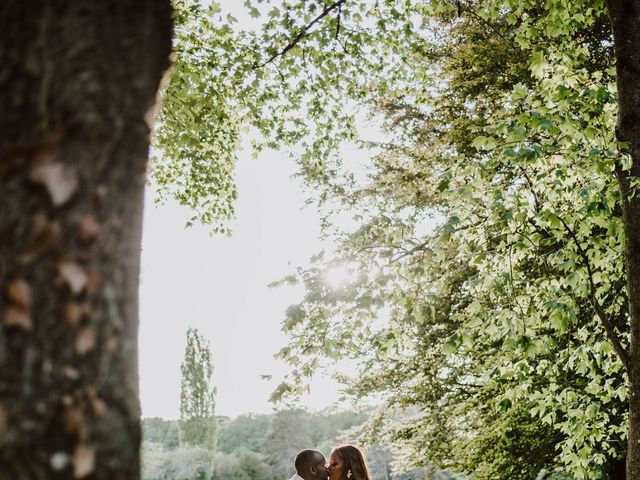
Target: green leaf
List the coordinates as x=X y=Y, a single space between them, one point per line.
x=538 y=64
x=484 y=143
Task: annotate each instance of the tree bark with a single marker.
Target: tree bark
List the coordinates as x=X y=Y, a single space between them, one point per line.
x=625 y=20
x=615 y=470
x=77 y=79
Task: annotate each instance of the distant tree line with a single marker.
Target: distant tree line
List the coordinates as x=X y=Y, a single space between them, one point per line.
x=259 y=447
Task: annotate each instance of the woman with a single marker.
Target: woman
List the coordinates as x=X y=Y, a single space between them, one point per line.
x=346 y=462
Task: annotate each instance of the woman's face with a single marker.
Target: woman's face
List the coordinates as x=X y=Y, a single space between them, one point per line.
x=336 y=467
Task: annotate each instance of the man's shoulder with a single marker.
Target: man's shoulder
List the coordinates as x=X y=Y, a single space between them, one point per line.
x=296 y=477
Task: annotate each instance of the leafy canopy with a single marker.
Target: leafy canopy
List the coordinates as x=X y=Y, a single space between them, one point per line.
x=500 y=116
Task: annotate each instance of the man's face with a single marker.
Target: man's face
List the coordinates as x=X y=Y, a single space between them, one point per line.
x=319 y=468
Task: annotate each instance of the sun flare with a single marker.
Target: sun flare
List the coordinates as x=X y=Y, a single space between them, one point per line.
x=339 y=275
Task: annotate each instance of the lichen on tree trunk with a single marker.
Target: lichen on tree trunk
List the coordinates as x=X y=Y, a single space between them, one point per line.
x=77 y=82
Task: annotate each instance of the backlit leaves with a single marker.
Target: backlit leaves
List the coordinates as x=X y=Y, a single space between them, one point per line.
x=488 y=224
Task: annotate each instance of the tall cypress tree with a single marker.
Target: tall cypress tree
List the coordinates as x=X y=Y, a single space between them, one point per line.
x=197 y=394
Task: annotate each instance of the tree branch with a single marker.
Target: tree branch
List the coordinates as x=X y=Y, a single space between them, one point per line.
x=608 y=326
x=531 y=187
x=475 y=15
x=294 y=41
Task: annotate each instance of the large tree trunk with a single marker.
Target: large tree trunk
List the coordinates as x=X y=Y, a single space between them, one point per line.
x=76 y=81
x=616 y=470
x=625 y=19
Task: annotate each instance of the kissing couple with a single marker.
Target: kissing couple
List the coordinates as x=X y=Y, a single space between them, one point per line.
x=346 y=462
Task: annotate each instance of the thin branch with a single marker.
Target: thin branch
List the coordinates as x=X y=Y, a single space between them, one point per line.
x=513 y=292
x=284 y=80
x=539 y=230
x=526 y=237
x=338 y=26
x=531 y=187
x=303 y=32
x=608 y=326
x=344 y=47
x=408 y=252
x=469 y=385
x=604 y=319
x=506 y=41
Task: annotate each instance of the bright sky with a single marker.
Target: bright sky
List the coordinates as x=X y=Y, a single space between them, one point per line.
x=219 y=285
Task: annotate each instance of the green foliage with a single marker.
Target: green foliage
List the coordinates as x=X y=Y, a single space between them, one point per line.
x=512 y=445
x=164 y=432
x=226 y=80
x=197 y=394
x=487 y=256
x=261 y=447
x=184 y=463
x=242 y=464
x=197 y=133
x=289 y=432
x=248 y=431
x=327 y=429
x=506 y=295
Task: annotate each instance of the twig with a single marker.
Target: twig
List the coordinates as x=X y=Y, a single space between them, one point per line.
x=485 y=22
x=327 y=10
x=533 y=191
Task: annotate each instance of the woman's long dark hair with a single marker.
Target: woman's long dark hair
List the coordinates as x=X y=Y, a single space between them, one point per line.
x=353 y=461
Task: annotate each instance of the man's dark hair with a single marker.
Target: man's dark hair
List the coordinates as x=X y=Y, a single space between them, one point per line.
x=305 y=458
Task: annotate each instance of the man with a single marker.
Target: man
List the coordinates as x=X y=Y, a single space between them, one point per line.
x=310 y=465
